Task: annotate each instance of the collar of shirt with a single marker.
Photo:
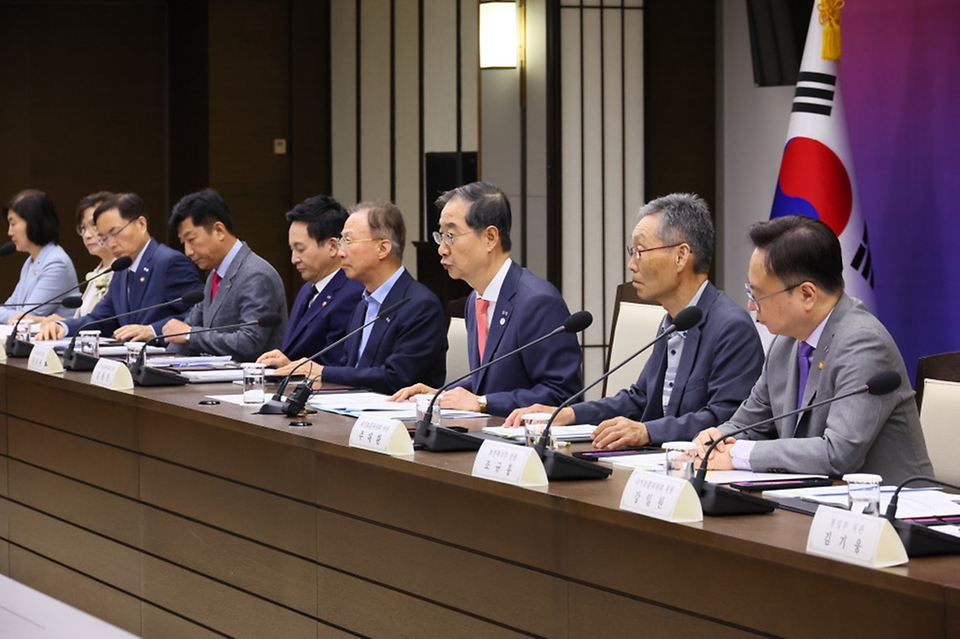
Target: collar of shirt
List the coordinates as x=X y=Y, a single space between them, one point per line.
x=814 y=338
x=667 y=320
x=322 y=284
x=41 y=256
x=492 y=292
x=228 y=259
x=136 y=263
x=381 y=293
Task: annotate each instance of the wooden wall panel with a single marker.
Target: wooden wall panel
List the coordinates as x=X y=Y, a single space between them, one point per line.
x=160 y=624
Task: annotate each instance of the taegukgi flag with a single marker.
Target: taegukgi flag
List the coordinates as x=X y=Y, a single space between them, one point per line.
x=816 y=173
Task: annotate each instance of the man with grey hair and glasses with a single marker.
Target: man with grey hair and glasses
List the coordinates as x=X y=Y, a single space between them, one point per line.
x=694 y=379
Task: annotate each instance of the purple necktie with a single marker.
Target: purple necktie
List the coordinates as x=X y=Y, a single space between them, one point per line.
x=804 y=351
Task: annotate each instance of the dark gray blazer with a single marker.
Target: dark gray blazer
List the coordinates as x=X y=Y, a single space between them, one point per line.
x=863 y=433
x=251 y=288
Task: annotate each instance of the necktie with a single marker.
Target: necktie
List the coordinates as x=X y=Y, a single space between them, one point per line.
x=313 y=296
x=482 y=306
x=214 y=285
x=804 y=351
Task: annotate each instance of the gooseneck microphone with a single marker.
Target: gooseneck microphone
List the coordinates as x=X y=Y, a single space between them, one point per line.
x=919 y=540
x=144 y=375
x=563 y=467
x=74 y=360
x=291 y=407
x=441 y=439
x=720 y=500
x=20 y=348
x=7 y=249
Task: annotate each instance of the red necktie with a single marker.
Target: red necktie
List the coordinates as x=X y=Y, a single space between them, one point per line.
x=214 y=285
x=482 y=306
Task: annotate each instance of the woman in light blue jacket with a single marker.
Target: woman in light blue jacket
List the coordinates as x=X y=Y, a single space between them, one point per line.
x=34 y=228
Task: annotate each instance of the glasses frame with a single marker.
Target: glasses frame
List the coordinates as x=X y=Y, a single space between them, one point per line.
x=447 y=238
x=635 y=253
x=344 y=242
x=83 y=227
x=102 y=238
x=756 y=300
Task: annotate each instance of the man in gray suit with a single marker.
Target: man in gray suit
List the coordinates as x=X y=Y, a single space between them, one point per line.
x=241 y=287
x=827 y=344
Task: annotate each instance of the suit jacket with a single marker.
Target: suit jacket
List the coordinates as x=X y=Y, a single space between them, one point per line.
x=528 y=307
x=324 y=322
x=721 y=359
x=862 y=433
x=163 y=275
x=50 y=275
x=250 y=289
x=405 y=347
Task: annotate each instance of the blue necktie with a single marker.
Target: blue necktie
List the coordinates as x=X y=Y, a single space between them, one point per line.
x=804 y=351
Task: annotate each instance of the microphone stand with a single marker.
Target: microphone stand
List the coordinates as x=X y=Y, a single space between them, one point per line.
x=919 y=540
x=443 y=439
x=560 y=467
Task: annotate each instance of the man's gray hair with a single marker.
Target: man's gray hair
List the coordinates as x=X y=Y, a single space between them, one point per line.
x=684 y=217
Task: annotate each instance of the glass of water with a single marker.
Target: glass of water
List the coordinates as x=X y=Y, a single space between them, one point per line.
x=863 y=493
x=253 y=383
x=90 y=343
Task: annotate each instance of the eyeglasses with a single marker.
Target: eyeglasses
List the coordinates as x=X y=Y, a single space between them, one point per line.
x=344 y=242
x=102 y=239
x=447 y=238
x=83 y=228
x=635 y=253
x=756 y=300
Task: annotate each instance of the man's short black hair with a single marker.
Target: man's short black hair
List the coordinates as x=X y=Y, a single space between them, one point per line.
x=204 y=208
x=800 y=249
x=323 y=215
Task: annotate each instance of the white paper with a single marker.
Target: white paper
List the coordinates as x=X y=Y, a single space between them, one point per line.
x=574 y=433
x=917 y=502
x=231 y=399
x=353 y=403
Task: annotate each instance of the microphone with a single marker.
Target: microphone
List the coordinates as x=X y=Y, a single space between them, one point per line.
x=292 y=406
x=720 y=500
x=919 y=540
x=144 y=375
x=7 y=249
x=562 y=467
x=74 y=360
x=20 y=348
x=71 y=301
x=442 y=439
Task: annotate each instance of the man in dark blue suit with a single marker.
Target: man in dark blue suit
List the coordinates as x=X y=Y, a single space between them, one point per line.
x=402 y=347
x=158 y=274
x=695 y=379
x=509 y=307
x=327 y=300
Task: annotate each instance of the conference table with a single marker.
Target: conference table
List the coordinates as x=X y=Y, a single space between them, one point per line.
x=169 y=518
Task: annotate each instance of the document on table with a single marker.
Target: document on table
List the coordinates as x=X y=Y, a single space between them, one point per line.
x=913 y=502
x=655 y=461
x=574 y=433
x=352 y=403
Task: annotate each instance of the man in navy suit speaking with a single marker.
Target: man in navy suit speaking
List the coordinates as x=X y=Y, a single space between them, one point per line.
x=326 y=301
x=509 y=307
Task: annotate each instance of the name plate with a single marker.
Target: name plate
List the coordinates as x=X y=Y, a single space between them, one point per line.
x=855 y=538
x=43 y=359
x=510 y=464
x=112 y=374
x=661 y=496
x=381 y=435
x=3 y=350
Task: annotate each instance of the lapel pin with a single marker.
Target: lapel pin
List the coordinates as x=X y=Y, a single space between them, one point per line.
x=324 y=304
x=143 y=279
x=821 y=365
x=503 y=321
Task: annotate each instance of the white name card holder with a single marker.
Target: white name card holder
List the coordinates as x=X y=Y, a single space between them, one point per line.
x=43 y=359
x=510 y=464
x=661 y=496
x=110 y=373
x=3 y=350
x=381 y=435
x=855 y=538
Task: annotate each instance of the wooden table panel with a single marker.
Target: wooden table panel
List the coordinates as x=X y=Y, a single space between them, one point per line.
x=239 y=562
x=75 y=589
x=87 y=506
x=160 y=624
x=261 y=516
x=375 y=611
x=108 y=467
x=219 y=606
x=76 y=548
